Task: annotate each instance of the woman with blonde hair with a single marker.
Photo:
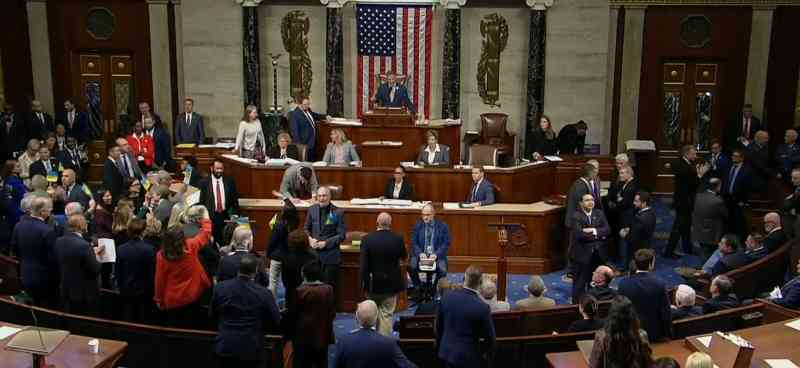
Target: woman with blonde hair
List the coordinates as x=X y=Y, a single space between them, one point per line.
x=241 y=244
x=340 y=150
x=699 y=360
x=123 y=214
x=250 y=142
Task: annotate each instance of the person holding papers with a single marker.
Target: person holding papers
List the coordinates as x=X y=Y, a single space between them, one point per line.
x=299 y=182
x=482 y=192
x=542 y=141
x=789 y=295
x=430 y=241
x=46 y=166
x=434 y=153
x=285 y=149
x=80 y=270
x=398 y=187
x=340 y=150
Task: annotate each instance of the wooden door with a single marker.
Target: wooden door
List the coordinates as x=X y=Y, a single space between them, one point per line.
x=690 y=113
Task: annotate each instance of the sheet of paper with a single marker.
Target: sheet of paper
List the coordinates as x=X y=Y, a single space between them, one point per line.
x=553 y=158
x=780 y=363
x=705 y=340
x=110 y=254
x=450 y=205
x=794 y=324
x=7 y=331
x=193 y=198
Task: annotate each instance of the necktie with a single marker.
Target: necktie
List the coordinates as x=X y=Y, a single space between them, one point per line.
x=219 y=196
x=594 y=190
x=188 y=119
x=474 y=193
x=746 y=128
x=47 y=166
x=125 y=165
x=71 y=118
x=589 y=215
x=732 y=178
x=391 y=94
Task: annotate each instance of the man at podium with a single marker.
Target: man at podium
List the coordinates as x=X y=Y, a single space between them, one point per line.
x=393 y=94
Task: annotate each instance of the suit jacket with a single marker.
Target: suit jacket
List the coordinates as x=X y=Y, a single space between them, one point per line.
x=37 y=168
x=80 y=271
x=245 y=312
x=620 y=200
x=463 y=319
x=686 y=312
x=208 y=196
x=758 y=158
x=442 y=157
x=315 y=225
x=15 y=138
x=189 y=132
x=350 y=154
x=720 y=165
x=113 y=179
x=534 y=303
x=650 y=297
x=77 y=194
x=38 y=128
x=33 y=243
x=721 y=302
x=70 y=159
x=79 y=128
x=290 y=183
x=484 y=194
x=790 y=294
x=708 y=218
x=787 y=157
x=163 y=146
x=441 y=239
x=304 y=131
x=135 y=269
x=582 y=325
x=381 y=253
x=602 y=293
x=642 y=228
x=406 y=190
x=743 y=183
x=569 y=141
x=311 y=322
x=291 y=152
x=729 y=262
x=400 y=97
x=366 y=348
x=229 y=268
x=686 y=182
x=734 y=130
x=775 y=240
x=584 y=244
x=579 y=188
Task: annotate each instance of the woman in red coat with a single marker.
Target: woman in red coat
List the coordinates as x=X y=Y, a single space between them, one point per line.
x=180 y=279
x=143 y=147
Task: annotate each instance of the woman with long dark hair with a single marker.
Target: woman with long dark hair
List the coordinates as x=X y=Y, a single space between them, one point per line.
x=542 y=140
x=278 y=246
x=622 y=343
x=590 y=321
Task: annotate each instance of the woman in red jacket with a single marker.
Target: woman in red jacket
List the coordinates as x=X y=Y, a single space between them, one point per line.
x=143 y=147
x=181 y=280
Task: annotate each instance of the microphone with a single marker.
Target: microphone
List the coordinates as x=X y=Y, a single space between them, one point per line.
x=38 y=329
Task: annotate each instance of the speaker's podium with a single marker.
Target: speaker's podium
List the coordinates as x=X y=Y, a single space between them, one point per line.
x=391 y=116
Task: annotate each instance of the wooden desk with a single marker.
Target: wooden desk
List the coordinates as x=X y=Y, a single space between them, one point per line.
x=73 y=352
x=388 y=116
x=771 y=341
x=523 y=184
x=412 y=136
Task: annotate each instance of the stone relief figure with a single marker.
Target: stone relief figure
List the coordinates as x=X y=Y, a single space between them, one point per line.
x=494 y=30
x=294 y=32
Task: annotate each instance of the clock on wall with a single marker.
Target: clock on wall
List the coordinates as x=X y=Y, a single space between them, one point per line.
x=696 y=31
x=100 y=23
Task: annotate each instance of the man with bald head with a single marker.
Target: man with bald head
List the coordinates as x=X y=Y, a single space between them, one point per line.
x=39 y=122
x=772 y=227
x=80 y=270
x=365 y=348
x=130 y=166
x=430 y=241
x=74 y=192
x=600 y=287
x=381 y=253
x=326 y=230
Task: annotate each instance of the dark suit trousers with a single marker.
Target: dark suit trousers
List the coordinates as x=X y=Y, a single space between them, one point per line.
x=681 y=229
x=737 y=223
x=308 y=357
x=582 y=275
x=330 y=276
x=138 y=309
x=232 y=362
x=218 y=223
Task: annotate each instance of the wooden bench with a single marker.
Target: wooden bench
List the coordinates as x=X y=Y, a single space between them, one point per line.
x=758 y=277
x=724 y=320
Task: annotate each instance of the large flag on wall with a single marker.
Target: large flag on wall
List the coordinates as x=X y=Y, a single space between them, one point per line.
x=395 y=38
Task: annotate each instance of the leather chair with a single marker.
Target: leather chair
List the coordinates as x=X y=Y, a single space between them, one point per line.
x=494 y=133
x=483 y=155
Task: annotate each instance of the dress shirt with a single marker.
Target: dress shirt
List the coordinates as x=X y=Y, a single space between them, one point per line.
x=47 y=166
x=396 y=191
x=475 y=189
x=218 y=185
x=189 y=119
x=732 y=178
x=126 y=163
x=40 y=116
x=432 y=154
x=745 y=127
x=310 y=119
x=71 y=118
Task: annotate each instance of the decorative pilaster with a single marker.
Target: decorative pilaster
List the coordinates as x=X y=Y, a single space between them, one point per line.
x=632 y=48
x=758 y=58
x=536 y=64
x=250 y=52
x=160 y=59
x=334 y=61
x=40 y=53
x=451 y=62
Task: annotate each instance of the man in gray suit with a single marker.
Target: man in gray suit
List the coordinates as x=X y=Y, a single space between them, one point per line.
x=709 y=217
x=326 y=231
x=189 y=125
x=129 y=163
x=299 y=182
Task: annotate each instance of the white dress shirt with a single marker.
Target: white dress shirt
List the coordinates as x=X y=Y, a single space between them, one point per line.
x=432 y=154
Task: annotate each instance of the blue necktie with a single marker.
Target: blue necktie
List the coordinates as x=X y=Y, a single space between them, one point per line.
x=734 y=173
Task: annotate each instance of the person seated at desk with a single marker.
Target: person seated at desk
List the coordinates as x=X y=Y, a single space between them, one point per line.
x=433 y=153
x=722 y=296
x=285 y=149
x=482 y=193
x=589 y=321
x=685 y=303
x=340 y=150
x=430 y=241
x=542 y=141
x=571 y=138
x=398 y=187
x=299 y=182
x=789 y=295
x=393 y=94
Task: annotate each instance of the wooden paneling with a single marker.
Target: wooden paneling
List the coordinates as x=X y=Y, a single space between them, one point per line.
x=15 y=52
x=782 y=72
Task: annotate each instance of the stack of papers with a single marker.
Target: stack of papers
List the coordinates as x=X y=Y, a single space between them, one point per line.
x=346 y=122
x=281 y=162
x=794 y=324
x=110 y=253
x=218 y=145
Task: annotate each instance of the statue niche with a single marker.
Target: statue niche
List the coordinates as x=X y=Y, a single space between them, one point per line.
x=294 y=32
x=494 y=30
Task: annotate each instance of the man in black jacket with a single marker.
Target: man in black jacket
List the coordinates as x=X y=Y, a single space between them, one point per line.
x=600 y=288
x=220 y=196
x=46 y=165
x=80 y=270
x=571 y=138
x=775 y=237
x=135 y=273
x=722 y=296
x=39 y=122
x=32 y=242
x=589 y=247
x=113 y=177
x=381 y=253
x=649 y=296
x=638 y=232
x=686 y=180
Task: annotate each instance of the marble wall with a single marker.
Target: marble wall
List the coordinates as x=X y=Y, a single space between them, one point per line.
x=212 y=62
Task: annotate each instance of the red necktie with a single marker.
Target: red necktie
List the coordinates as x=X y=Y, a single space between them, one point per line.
x=219 y=198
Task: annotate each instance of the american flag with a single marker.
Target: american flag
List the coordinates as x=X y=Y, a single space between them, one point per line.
x=395 y=38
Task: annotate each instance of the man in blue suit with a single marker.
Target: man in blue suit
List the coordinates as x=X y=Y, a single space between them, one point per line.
x=76 y=123
x=720 y=162
x=189 y=126
x=162 y=142
x=649 y=296
x=302 y=122
x=463 y=319
x=32 y=242
x=482 y=192
x=736 y=187
x=366 y=348
x=589 y=244
x=787 y=155
x=326 y=230
x=80 y=270
x=245 y=312
x=430 y=238
x=790 y=293
x=393 y=94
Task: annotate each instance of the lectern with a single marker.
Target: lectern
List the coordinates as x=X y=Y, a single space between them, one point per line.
x=382 y=116
x=503 y=232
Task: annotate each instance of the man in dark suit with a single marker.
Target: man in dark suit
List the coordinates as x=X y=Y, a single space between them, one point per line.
x=430 y=239
x=75 y=122
x=13 y=133
x=398 y=187
x=790 y=292
x=220 y=196
x=710 y=213
x=80 y=270
x=393 y=94
x=135 y=274
x=162 y=142
x=722 y=296
x=686 y=181
x=144 y=113
x=600 y=287
x=242 y=242
x=32 y=242
x=482 y=192
x=758 y=159
x=736 y=188
x=70 y=157
x=189 y=125
x=128 y=162
x=685 y=303
x=311 y=321
x=638 y=232
x=46 y=165
x=589 y=247
x=572 y=138
x=245 y=312
x=381 y=253
x=326 y=228
x=365 y=348
x=731 y=256
x=775 y=237
x=619 y=208
x=462 y=321
x=74 y=192
x=742 y=128
x=39 y=122
x=302 y=122
x=649 y=296
x=585 y=184
x=719 y=160
x=113 y=175
x=787 y=155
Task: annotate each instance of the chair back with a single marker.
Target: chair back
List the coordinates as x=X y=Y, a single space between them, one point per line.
x=545 y=321
x=493 y=128
x=482 y=155
x=509 y=323
x=763 y=275
x=724 y=320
